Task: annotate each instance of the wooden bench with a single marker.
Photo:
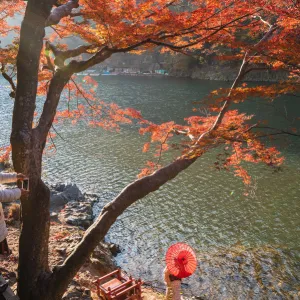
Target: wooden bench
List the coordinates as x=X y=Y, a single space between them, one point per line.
x=118 y=286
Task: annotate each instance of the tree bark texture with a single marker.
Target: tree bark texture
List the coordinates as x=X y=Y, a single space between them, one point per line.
x=27 y=151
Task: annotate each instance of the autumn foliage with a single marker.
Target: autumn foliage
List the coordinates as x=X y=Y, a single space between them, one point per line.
x=190 y=27
x=107 y=27
x=258 y=34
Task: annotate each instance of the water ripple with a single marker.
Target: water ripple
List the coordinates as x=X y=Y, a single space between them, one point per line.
x=202 y=206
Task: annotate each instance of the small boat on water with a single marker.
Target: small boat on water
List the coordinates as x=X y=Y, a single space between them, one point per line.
x=89 y=73
x=108 y=73
x=82 y=74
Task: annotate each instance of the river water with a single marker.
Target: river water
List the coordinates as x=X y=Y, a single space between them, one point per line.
x=202 y=206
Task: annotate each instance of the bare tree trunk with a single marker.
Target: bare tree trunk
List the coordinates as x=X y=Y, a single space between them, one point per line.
x=27 y=151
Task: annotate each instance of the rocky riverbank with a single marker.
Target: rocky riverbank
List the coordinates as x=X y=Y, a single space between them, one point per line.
x=71 y=213
x=264 y=272
x=235 y=272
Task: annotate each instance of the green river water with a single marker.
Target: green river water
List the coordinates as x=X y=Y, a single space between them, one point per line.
x=202 y=206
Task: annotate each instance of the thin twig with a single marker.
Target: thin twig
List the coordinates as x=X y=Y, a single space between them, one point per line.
x=161 y=148
x=83 y=95
x=56 y=31
x=52 y=141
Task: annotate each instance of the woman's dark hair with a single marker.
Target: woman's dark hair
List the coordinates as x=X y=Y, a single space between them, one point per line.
x=173 y=278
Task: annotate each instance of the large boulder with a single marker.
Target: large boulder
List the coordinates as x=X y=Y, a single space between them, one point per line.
x=72 y=193
x=77 y=214
x=61 y=194
x=57 y=202
x=102 y=259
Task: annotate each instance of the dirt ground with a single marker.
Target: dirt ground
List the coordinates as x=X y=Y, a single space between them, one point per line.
x=63 y=239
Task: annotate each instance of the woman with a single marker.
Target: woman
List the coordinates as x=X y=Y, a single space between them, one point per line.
x=173 y=284
x=7 y=195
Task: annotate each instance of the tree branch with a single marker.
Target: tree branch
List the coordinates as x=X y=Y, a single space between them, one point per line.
x=12 y=94
x=137 y=190
x=79 y=66
x=57 y=84
x=106 y=51
x=201 y=39
x=258 y=69
x=62 y=275
x=279 y=131
x=239 y=78
x=173 y=47
x=132 y=193
x=61 y=11
x=61 y=56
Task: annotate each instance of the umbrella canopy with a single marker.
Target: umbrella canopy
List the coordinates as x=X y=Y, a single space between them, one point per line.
x=181 y=260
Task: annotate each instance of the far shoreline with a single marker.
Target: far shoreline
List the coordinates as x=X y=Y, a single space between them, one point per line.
x=153 y=75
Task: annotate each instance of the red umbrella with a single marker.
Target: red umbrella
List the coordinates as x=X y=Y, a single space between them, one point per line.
x=181 y=260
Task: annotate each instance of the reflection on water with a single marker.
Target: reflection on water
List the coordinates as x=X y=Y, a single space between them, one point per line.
x=202 y=207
